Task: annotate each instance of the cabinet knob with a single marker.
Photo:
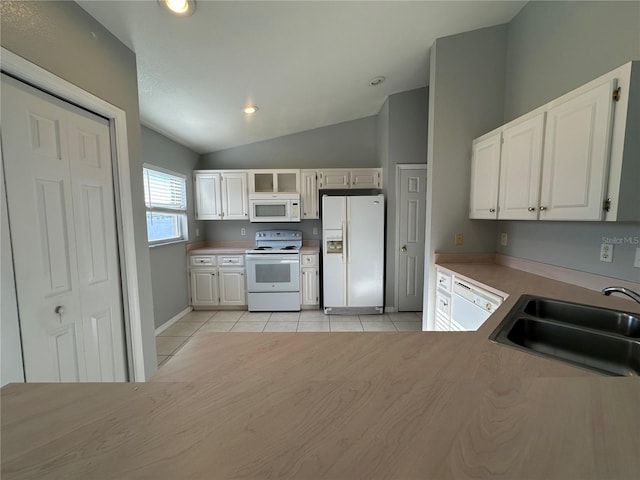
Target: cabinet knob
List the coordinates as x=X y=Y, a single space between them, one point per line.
x=542 y=209
x=532 y=209
x=492 y=210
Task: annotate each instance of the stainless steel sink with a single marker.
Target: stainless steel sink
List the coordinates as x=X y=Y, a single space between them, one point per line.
x=600 y=339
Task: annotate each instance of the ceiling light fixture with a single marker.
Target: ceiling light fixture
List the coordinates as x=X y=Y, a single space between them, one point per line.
x=376 y=80
x=179 y=7
x=249 y=109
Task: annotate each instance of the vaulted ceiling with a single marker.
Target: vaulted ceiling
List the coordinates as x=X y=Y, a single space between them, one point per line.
x=305 y=64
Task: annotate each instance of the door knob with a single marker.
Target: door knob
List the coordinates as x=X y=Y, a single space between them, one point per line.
x=59 y=310
x=404 y=248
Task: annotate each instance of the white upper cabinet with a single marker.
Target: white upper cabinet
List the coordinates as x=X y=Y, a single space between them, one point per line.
x=221 y=195
x=208 y=195
x=520 y=165
x=350 y=178
x=309 y=194
x=576 y=156
x=274 y=181
x=485 y=174
x=235 y=203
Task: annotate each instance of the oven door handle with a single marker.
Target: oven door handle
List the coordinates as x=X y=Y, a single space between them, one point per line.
x=282 y=258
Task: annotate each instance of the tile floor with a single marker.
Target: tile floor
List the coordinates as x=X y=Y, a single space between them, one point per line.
x=178 y=334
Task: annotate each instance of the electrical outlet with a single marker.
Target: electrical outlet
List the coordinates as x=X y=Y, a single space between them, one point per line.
x=197 y=232
x=315 y=230
x=504 y=239
x=243 y=231
x=458 y=239
x=606 y=252
x=636 y=262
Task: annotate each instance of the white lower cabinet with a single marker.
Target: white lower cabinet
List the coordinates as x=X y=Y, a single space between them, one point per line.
x=217 y=280
x=204 y=287
x=231 y=286
x=309 y=280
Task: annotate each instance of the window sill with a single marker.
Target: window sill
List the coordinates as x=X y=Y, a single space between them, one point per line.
x=164 y=244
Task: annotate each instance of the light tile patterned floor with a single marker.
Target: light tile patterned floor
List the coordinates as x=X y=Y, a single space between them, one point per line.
x=178 y=334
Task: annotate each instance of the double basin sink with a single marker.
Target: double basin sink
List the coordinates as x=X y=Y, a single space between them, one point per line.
x=600 y=339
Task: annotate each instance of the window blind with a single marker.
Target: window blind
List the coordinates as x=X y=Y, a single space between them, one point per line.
x=163 y=191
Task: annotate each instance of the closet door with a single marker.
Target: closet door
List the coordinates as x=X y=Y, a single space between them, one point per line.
x=62 y=221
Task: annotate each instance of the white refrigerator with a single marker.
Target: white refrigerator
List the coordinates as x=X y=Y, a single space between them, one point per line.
x=353 y=254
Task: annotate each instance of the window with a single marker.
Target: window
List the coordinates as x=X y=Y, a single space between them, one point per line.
x=165 y=196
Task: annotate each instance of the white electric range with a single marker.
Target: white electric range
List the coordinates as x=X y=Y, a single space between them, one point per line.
x=273 y=271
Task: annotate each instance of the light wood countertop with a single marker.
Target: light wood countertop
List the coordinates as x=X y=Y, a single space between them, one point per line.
x=401 y=405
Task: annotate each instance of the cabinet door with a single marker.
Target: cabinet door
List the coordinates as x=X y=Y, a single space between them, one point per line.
x=338 y=178
x=310 y=286
x=365 y=178
x=232 y=289
x=576 y=153
x=208 y=196
x=309 y=194
x=485 y=173
x=520 y=164
x=235 y=200
x=204 y=287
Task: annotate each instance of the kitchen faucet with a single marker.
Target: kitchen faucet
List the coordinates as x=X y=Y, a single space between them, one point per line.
x=609 y=290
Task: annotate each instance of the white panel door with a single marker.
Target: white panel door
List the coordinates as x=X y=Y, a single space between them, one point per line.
x=576 y=156
x=208 y=196
x=365 y=251
x=309 y=286
x=365 y=178
x=411 y=210
x=235 y=200
x=485 y=175
x=520 y=164
x=338 y=178
x=62 y=222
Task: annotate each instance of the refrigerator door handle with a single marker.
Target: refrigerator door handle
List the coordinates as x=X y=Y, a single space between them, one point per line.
x=344 y=241
x=348 y=239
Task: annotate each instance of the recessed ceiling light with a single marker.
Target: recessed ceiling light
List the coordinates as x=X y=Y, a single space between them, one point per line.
x=179 y=7
x=249 y=109
x=376 y=81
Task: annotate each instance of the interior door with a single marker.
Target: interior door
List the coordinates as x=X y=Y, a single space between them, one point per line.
x=411 y=212
x=62 y=222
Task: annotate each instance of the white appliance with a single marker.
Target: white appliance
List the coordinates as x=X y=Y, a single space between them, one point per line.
x=353 y=253
x=274 y=207
x=273 y=271
x=471 y=306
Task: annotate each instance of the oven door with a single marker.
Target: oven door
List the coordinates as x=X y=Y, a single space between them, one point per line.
x=273 y=273
x=270 y=210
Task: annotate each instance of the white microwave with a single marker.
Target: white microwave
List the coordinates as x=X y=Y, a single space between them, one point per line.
x=274 y=207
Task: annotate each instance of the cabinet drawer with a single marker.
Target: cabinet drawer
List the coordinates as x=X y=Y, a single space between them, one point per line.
x=230 y=260
x=443 y=280
x=309 y=260
x=202 y=260
x=443 y=304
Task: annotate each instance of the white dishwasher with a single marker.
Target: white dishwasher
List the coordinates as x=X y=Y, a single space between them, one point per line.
x=471 y=306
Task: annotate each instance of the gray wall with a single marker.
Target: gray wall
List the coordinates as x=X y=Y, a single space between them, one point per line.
x=349 y=144
x=554 y=47
x=63 y=39
x=466 y=99
x=169 y=262
x=229 y=230
x=402 y=138
x=466 y=92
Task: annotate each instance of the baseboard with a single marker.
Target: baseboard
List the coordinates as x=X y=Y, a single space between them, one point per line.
x=390 y=310
x=172 y=320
